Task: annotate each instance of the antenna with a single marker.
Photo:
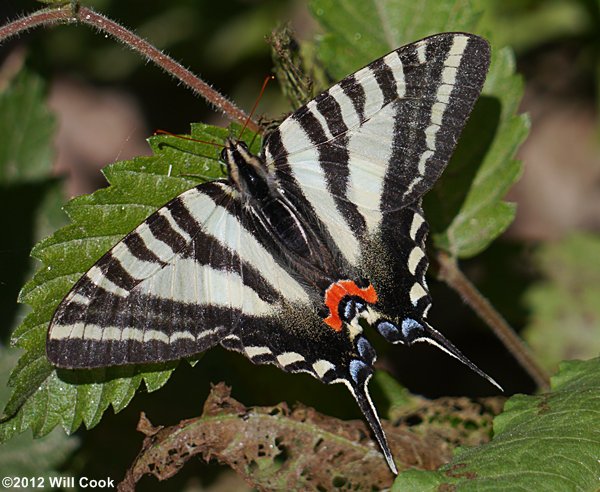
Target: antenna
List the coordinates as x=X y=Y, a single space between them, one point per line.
x=268 y=78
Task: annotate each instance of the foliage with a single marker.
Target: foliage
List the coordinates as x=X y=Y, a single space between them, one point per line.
x=466 y=210
x=544 y=442
x=21 y=456
x=26 y=187
x=564 y=304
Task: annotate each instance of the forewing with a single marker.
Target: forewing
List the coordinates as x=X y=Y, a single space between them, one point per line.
x=379 y=139
x=175 y=286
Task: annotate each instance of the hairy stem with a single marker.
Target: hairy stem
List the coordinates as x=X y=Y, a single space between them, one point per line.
x=43 y=17
x=451 y=274
x=75 y=14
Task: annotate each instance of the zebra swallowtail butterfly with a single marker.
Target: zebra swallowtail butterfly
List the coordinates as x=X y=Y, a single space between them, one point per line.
x=303 y=246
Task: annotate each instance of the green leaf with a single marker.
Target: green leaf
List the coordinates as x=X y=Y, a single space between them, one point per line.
x=26 y=186
x=465 y=209
x=44 y=397
x=22 y=456
x=358 y=32
x=565 y=313
x=27 y=127
x=546 y=442
x=529 y=25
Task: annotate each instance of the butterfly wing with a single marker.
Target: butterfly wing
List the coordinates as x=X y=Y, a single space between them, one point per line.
x=175 y=286
x=379 y=139
x=360 y=156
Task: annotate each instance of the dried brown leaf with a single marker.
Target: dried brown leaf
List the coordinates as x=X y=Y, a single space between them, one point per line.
x=278 y=448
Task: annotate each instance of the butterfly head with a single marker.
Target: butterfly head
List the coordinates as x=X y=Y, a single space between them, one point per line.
x=246 y=171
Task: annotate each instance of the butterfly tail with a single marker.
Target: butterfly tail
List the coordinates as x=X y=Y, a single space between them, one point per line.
x=358 y=384
x=412 y=331
x=434 y=337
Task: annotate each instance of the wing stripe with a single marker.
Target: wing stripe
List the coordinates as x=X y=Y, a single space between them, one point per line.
x=320 y=118
x=182 y=216
x=416 y=293
x=334 y=158
x=98 y=278
x=289 y=358
x=374 y=97
x=114 y=271
x=224 y=227
x=152 y=315
x=158 y=247
x=415 y=257
x=121 y=262
x=394 y=62
x=253 y=352
x=356 y=93
x=310 y=178
x=136 y=246
x=422 y=53
x=415 y=225
x=227 y=289
x=329 y=109
x=113 y=333
x=351 y=102
x=166 y=213
x=322 y=367
x=386 y=80
x=162 y=231
x=127 y=345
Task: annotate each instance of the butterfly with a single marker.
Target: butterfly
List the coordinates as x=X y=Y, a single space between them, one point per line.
x=302 y=247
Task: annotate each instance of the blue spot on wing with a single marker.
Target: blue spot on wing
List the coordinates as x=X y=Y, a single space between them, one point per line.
x=409 y=326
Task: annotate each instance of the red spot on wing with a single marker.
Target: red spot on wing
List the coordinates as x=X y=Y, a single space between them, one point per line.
x=336 y=292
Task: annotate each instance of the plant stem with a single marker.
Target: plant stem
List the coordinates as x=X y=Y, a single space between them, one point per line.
x=43 y=17
x=75 y=14
x=451 y=274
x=131 y=40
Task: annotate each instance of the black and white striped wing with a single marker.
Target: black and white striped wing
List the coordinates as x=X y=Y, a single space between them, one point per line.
x=177 y=285
x=380 y=138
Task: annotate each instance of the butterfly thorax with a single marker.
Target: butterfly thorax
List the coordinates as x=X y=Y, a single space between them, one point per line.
x=279 y=219
x=248 y=174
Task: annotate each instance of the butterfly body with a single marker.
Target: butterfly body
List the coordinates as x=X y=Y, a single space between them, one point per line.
x=304 y=245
